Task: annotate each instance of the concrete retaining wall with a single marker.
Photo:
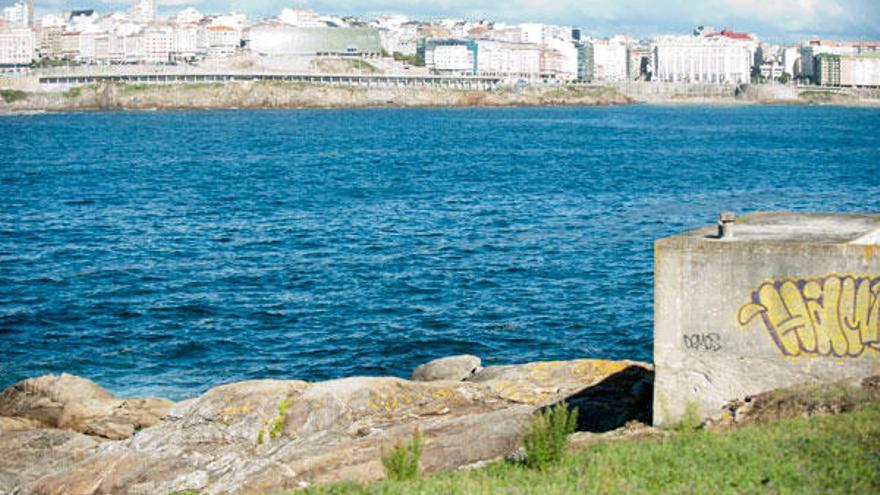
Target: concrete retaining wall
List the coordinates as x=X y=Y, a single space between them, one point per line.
x=793 y=298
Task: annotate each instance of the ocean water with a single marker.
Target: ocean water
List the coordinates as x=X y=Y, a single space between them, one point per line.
x=165 y=253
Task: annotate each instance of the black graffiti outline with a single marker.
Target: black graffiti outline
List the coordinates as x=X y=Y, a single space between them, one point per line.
x=707 y=342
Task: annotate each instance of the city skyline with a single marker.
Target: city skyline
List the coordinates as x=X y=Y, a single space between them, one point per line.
x=773 y=20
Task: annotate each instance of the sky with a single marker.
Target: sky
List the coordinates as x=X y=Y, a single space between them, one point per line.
x=772 y=20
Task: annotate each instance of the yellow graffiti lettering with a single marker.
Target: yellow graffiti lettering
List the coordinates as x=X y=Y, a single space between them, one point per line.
x=832 y=316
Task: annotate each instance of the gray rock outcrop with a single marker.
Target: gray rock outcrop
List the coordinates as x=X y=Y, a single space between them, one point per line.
x=455 y=368
x=72 y=403
x=265 y=436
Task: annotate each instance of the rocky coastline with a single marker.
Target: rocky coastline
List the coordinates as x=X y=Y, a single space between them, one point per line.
x=67 y=435
x=284 y=95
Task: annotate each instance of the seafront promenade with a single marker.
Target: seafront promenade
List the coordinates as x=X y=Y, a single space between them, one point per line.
x=65 y=82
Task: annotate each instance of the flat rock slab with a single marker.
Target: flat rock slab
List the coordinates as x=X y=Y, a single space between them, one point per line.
x=265 y=436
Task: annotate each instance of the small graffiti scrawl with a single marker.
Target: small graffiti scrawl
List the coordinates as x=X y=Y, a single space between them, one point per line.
x=832 y=316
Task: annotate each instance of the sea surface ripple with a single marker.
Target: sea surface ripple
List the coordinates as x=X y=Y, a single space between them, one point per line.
x=164 y=253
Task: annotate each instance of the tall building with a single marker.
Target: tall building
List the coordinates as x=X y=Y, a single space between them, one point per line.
x=20 y=13
x=847 y=70
x=714 y=59
x=451 y=56
x=143 y=11
x=17 y=46
x=812 y=49
x=604 y=60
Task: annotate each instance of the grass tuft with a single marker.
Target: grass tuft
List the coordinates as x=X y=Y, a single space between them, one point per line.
x=547 y=437
x=11 y=95
x=402 y=461
x=690 y=420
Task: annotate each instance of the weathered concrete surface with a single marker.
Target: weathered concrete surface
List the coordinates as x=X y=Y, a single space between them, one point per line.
x=265 y=436
x=793 y=298
x=456 y=368
x=72 y=403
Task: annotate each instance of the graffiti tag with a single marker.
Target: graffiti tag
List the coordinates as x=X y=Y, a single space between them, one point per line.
x=707 y=342
x=835 y=315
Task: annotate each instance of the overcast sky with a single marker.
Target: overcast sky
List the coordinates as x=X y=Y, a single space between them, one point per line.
x=775 y=20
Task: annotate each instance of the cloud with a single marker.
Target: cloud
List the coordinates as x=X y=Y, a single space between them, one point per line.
x=788 y=20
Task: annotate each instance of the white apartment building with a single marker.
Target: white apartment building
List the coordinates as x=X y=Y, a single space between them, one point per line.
x=70 y=45
x=718 y=60
x=17 y=45
x=771 y=69
x=232 y=20
x=133 y=48
x=848 y=70
x=49 y=42
x=399 y=38
x=560 y=59
x=541 y=34
x=810 y=51
x=791 y=56
x=301 y=18
x=190 y=42
x=94 y=48
x=610 y=59
x=158 y=44
x=496 y=58
x=223 y=41
x=457 y=58
x=144 y=11
x=188 y=15
x=17 y=13
x=861 y=70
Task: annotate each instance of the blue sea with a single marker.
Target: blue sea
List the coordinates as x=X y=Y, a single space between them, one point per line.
x=164 y=253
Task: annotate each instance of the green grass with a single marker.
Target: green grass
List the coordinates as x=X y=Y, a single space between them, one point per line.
x=135 y=87
x=401 y=462
x=72 y=93
x=546 y=439
x=11 y=95
x=825 y=454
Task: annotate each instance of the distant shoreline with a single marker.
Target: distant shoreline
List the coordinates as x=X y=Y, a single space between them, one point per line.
x=283 y=95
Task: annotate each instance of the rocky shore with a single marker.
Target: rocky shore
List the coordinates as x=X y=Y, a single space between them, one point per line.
x=276 y=94
x=292 y=95
x=66 y=435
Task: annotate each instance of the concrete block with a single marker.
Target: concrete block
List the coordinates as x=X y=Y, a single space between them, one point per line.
x=783 y=299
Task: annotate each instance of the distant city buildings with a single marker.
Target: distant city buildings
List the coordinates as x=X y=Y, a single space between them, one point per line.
x=531 y=52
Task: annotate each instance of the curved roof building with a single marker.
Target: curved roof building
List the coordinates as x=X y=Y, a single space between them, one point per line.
x=278 y=39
